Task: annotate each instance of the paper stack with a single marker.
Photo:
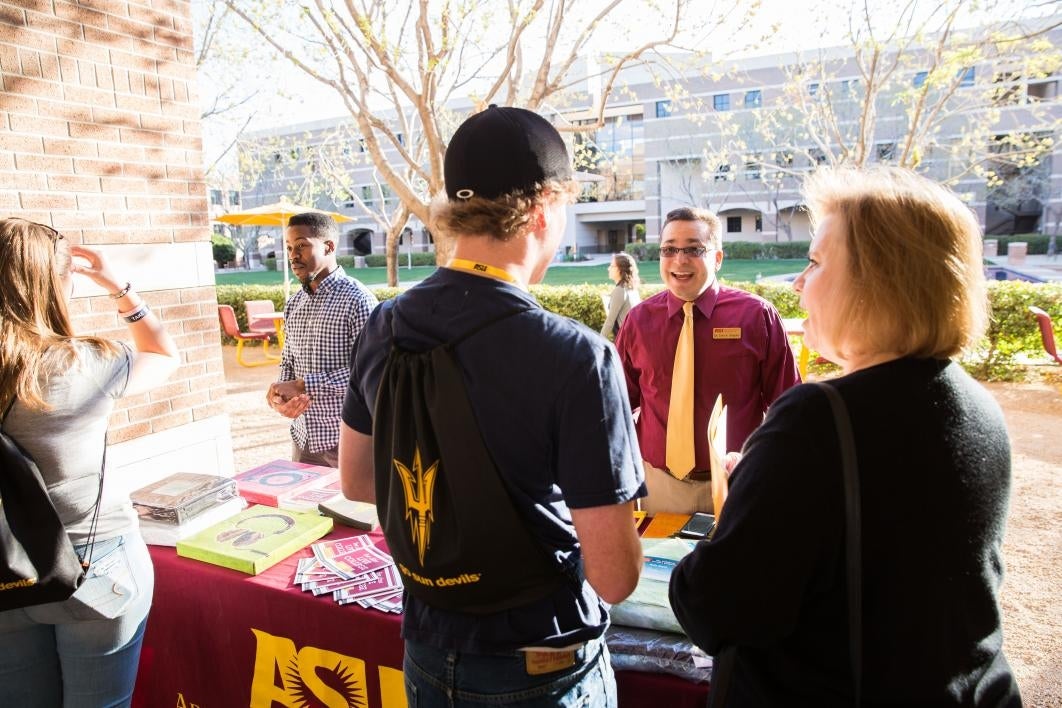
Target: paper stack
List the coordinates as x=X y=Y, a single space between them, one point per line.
x=353 y=570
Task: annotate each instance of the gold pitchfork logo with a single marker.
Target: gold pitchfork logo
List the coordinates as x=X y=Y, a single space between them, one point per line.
x=418 y=485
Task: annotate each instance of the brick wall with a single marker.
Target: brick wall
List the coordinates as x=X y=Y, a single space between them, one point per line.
x=100 y=137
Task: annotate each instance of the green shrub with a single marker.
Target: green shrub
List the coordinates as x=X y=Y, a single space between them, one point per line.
x=1037 y=243
x=224 y=250
x=419 y=259
x=1013 y=330
x=270 y=264
x=643 y=251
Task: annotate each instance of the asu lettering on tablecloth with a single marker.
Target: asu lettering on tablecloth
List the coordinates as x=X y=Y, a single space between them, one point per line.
x=315 y=676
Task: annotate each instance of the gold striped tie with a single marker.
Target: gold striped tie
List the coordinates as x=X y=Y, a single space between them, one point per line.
x=681 y=455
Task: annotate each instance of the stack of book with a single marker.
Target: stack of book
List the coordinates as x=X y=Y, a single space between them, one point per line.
x=183 y=504
x=353 y=570
x=296 y=486
x=255 y=539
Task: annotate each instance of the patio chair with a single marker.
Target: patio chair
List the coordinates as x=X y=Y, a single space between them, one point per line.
x=1047 y=332
x=260 y=307
x=231 y=327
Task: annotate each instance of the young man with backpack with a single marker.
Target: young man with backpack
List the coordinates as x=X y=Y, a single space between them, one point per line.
x=496 y=439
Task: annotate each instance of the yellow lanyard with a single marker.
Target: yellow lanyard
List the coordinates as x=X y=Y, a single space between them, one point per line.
x=481 y=269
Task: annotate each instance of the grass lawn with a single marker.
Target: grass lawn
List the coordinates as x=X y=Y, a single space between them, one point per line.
x=732 y=270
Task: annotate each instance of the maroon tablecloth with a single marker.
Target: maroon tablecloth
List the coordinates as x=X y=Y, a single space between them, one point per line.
x=217 y=638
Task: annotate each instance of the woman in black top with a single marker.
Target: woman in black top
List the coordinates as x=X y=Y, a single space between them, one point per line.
x=894 y=289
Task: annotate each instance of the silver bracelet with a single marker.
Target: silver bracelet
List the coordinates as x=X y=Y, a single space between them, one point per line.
x=123 y=292
x=139 y=312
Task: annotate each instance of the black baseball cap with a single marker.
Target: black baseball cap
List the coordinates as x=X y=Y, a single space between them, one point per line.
x=503 y=150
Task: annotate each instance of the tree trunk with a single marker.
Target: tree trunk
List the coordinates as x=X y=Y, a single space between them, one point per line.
x=444 y=248
x=391 y=251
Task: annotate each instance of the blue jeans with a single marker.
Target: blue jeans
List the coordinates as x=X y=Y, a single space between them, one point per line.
x=437 y=678
x=83 y=652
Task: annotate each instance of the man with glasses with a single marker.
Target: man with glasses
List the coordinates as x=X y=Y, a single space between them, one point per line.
x=735 y=345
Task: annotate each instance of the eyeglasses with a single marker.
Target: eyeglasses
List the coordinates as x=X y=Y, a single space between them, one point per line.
x=691 y=251
x=55 y=235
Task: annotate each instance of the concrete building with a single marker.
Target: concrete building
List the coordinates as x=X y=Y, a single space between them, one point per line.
x=734 y=143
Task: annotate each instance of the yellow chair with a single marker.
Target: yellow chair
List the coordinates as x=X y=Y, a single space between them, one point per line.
x=231 y=327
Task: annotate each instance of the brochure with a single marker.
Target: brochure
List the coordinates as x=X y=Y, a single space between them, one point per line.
x=267 y=483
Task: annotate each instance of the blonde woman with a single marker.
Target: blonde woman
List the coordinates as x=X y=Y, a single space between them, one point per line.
x=57 y=391
x=894 y=290
x=623 y=271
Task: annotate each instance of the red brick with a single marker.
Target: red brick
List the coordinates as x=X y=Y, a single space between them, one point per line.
x=142 y=137
x=80 y=14
x=151 y=17
x=100 y=203
x=21 y=180
x=9 y=59
x=21 y=143
x=86 y=72
x=173 y=38
x=88 y=95
x=164 y=156
x=64 y=110
x=120 y=79
x=195 y=398
x=112 y=40
x=125 y=153
x=12 y=16
x=29 y=37
x=78 y=220
x=15 y=103
x=113 y=117
x=166 y=89
x=172 y=420
x=47 y=22
x=191 y=234
x=97 y=167
x=149 y=170
x=46 y=164
x=140 y=104
x=71 y=183
x=50 y=67
x=121 y=433
x=125 y=219
x=210 y=410
x=104 y=79
x=131 y=28
x=94 y=131
x=205 y=293
x=38 y=125
x=28 y=86
x=169 y=390
x=160 y=123
x=133 y=60
x=180 y=91
x=169 y=218
x=68 y=70
x=9 y=201
x=30 y=62
x=75 y=49
x=124 y=185
x=149 y=203
x=149 y=410
x=61 y=146
x=136 y=83
x=7 y=161
x=151 y=85
x=32 y=200
x=111 y=7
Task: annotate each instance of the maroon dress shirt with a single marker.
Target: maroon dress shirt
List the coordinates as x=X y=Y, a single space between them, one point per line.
x=740 y=350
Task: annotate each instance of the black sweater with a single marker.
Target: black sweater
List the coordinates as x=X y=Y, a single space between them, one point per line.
x=934 y=466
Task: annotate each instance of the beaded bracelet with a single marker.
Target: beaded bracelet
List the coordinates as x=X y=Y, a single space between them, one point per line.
x=138 y=313
x=123 y=292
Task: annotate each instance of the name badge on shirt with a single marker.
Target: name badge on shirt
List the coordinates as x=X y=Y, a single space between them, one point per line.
x=726 y=333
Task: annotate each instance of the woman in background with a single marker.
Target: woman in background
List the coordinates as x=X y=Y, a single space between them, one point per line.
x=623 y=271
x=57 y=392
x=894 y=289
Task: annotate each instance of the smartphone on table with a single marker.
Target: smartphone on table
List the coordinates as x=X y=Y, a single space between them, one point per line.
x=698 y=527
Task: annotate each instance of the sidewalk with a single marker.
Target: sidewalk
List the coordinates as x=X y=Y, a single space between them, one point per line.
x=1044 y=267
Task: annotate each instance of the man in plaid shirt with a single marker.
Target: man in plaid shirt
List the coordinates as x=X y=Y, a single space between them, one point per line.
x=321 y=322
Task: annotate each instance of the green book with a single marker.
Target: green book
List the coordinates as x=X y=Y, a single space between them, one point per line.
x=255 y=539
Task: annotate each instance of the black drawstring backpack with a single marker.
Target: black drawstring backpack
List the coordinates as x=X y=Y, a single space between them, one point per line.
x=38 y=563
x=458 y=539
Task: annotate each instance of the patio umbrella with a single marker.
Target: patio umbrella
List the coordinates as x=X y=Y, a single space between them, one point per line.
x=276 y=214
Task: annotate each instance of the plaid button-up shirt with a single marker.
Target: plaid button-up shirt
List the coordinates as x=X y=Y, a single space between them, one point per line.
x=319 y=333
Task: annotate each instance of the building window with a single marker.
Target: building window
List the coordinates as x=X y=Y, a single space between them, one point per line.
x=234 y=197
x=722 y=173
x=215 y=197
x=920 y=79
x=366 y=195
x=753 y=99
x=818 y=157
x=1042 y=90
x=663 y=109
x=813 y=88
x=733 y=224
x=752 y=169
x=721 y=101
x=966 y=77
x=759 y=224
x=886 y=151
x=401 y=139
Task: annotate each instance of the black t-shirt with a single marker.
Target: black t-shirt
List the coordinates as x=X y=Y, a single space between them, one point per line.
x=934 y=467
x=549 y=398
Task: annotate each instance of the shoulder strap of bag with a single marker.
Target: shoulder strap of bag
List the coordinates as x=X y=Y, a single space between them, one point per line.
x=853 y=534
x=87 y=560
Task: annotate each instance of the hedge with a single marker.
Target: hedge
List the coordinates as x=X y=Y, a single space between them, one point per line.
x=744 y=250
x=1012 y=332
x=1037 y=243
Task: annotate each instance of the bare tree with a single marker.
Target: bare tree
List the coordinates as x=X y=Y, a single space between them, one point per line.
x=409 y=72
